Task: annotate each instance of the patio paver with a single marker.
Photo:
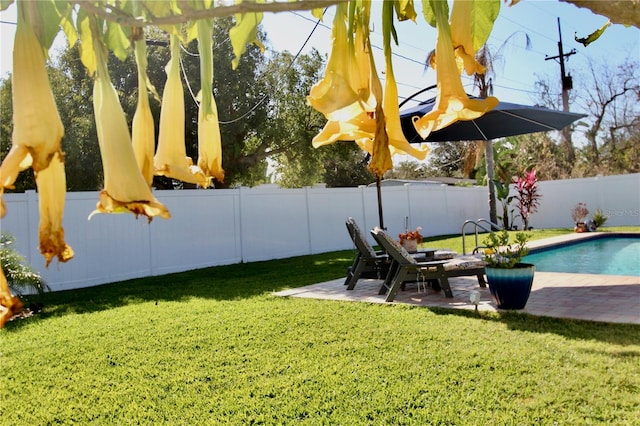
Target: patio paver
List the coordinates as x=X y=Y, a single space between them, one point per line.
x=605 y=298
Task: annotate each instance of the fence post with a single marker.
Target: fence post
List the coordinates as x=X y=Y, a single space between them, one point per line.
x=308 y=210
x=33 y=219
x=241 y=221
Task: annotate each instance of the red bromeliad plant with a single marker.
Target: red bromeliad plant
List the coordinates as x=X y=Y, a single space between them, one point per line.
x=528 y=196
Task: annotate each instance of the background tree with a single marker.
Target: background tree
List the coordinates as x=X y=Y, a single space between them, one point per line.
x=609 y=95
x=612 y=104
x=447 y=159
x=292 y=125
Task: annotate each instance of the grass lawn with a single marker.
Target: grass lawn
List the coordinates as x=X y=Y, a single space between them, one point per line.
x=214 y=346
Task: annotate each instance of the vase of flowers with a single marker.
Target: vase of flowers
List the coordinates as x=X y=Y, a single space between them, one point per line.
x=410 y=239
x=509 y=279
x=578 y=213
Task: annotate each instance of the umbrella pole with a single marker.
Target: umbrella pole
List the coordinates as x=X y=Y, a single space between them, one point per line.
x=379 y=189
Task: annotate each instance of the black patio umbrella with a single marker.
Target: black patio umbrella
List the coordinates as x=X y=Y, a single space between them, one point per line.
x=507 y=119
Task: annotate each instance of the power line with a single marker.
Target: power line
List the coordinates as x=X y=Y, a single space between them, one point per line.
x=287 y=69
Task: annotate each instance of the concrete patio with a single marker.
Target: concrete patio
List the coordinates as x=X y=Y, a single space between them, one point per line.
x=606 y=298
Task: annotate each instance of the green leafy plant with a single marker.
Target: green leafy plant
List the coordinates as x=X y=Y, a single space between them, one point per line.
x=599 y=218
x=20 y=275
x=502 y=193
x=500 y=252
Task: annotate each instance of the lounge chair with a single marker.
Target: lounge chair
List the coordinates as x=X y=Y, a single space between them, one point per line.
x=466 y=265
x=454 y=265
x=406 y=268
x=368 y=262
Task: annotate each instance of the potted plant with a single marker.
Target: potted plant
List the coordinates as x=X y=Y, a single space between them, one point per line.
x=509 y=279
x=578 y=213
x=410 y=239
x=598 y=219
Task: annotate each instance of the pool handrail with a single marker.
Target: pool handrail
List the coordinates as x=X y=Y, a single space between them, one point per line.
x=477 y=224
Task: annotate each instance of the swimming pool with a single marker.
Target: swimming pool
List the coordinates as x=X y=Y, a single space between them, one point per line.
x=618 y=254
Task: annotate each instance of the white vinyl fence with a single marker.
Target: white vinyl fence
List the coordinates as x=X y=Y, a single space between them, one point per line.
x=218 y=227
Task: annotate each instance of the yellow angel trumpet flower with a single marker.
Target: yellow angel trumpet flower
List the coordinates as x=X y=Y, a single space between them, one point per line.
x=52 y=185
x=396 y=137
x=209 y=139
x=125 y=190
x=362 y=126
x=37 y=136
x=334 y=95
x=37 y=128
x=360 y=62
x=210 y=143
x=460 y=24
x=17 y=160
x=389 y=138
x=142 y=129
x=171 y=155
x=9 y=304
x=452 y=103
x=36 y=122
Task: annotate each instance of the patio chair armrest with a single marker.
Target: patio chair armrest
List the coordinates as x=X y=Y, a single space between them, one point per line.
x=432 y=263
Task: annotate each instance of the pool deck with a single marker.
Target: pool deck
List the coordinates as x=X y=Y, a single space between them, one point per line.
x=604 y=298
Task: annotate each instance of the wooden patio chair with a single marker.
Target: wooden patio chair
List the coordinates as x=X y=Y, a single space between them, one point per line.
x=406 y=268
x=368 y=262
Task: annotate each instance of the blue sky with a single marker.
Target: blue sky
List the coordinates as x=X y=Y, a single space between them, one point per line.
x=516 y=73
x=518 y=69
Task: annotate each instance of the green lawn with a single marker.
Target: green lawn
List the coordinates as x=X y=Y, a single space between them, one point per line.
x=214 y=346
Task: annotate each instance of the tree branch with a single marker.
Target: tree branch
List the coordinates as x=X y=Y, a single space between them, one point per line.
x=114 y=14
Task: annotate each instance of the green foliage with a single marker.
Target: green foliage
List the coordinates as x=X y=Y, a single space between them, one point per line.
x=213 y=346
x=20 y=275
x=446 y=159
x=599 y=218
x=501 y=252
x=502 y=194
x=407 y=170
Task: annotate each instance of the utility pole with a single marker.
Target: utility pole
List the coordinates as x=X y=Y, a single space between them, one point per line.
x=567 y=84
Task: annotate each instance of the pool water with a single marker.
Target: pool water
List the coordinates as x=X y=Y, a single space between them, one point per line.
x=609 y=256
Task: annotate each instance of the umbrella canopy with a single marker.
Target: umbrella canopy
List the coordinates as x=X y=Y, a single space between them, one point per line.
x=506 y=119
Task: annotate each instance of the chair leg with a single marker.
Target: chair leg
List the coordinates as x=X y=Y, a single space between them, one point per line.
x=399 y=278
x=444 y=283
x=355 y=274
x=352 y=268
x=481 y=281
x=386 y=285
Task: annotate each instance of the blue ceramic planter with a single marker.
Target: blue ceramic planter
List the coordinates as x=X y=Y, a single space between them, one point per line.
x=510 y=288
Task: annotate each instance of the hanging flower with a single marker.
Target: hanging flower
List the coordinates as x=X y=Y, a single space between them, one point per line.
x=52 y=185
x=462 y=36
x=9 y=304
x=171 y=155
x=125 y=190
x=342 y=94
x=209 y=140
x=452 y=103
x=390 y=100
x=210 y=143
x=142 y=129
x=37 y=136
